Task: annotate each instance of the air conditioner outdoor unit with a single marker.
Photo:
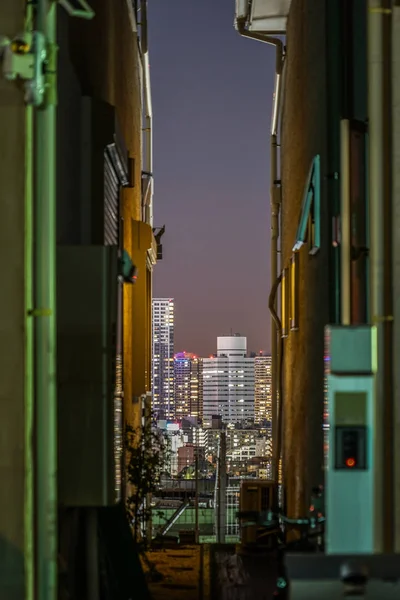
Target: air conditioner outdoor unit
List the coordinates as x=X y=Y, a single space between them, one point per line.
x=269 y=16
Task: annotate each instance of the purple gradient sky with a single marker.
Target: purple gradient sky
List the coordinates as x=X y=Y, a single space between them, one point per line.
x=212 y=96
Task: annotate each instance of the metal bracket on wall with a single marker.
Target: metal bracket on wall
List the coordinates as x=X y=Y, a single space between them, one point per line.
x=77 y=8
x=158 y=233
x=23 y=57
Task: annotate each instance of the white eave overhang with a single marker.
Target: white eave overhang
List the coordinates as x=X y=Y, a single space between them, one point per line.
x=264 y=16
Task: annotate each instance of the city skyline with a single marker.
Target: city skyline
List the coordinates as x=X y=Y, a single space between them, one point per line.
x=231 y=382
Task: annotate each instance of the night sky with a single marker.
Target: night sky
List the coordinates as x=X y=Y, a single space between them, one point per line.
x=212 y=98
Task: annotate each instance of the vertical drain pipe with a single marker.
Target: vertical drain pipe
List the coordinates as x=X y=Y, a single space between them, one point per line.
x=379 y=72
x=45 y=315
x=345 y=225
x=275 y=209
x=149 y=139
x=148 y=118
x=388 y=366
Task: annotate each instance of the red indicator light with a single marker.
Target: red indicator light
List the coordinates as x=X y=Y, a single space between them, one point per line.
x=350 y=462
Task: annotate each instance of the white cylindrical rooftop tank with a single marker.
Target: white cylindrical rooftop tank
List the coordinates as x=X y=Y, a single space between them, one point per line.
x=231 y=345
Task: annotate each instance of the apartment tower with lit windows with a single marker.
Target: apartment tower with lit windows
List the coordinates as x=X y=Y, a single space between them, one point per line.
x=163 y=358
x=188 y=394
x=262 y=389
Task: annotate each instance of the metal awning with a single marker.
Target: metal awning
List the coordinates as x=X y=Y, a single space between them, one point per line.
x=264 y=16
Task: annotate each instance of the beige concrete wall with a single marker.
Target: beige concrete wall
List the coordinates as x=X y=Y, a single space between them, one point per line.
x=396 y=253
x=12 y=321
x=304 y=136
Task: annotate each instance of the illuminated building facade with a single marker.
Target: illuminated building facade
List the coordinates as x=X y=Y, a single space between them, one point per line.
x=163 y=358
x=228 y=382
x=188 y=385
x=262 y=389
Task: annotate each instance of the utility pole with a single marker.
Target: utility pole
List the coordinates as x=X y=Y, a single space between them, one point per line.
x=196 y=501
x=221 y=489
x=197 y=528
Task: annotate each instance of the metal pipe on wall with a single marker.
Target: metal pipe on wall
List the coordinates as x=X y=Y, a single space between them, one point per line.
x=345 y=227
x=279 y=414
x=379 y=19
x=275 y=199
x=149 y=136
x=388 y=365
x=29 y=550
x=396 y=247
x=333 y=82
x=148 y=117
x=45 y=314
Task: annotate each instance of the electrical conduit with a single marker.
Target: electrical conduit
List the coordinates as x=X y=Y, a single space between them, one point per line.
x=45 y=314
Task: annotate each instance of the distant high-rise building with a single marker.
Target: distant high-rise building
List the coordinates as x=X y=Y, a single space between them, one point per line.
x=163 y=358
x=228 y=382
x=262 y=389
x=188 y=386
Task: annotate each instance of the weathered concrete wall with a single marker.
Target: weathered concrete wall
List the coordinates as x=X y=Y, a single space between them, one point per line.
x=304 y=134
x=13 y=379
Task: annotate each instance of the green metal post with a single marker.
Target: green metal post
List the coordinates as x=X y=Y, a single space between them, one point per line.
x=45 y=314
